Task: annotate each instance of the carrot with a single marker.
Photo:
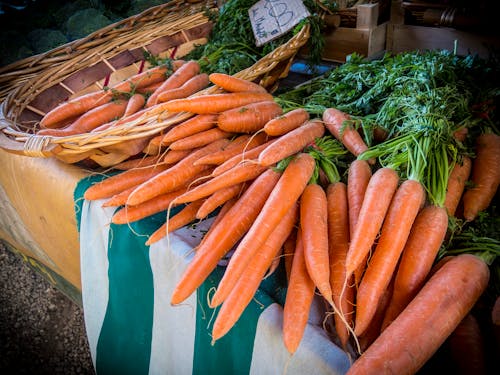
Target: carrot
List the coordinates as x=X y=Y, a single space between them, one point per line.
x=120 y=198
x=419 y=254
x=173 y=177
x=90 y=120
x=189 y=127
x=199 y=139
x=236 y=175
x=299 y=297
x=74 y=107
x=288 y=251
x=284 y=195
x=234 y=84
x=148 y=90
x=143 y=161
x=173 y=156
x=485 y=175
x=220 y=215
x=190 y=87
x=314 y=226
x=338 y=244
x=238 y=145
x=378 y=196
x=456 y=185
x=405 y=205
x=248 y=118
x=291 y=143
x=218 y=198
x=120 y=182
x=358 y=176
x=428 y=320
x=177 y=221
x=135 y=103
x=214 y=103
x=350 y=138
x=176 y=79
x=287 y=122
x=245 y=155
x=225 y=235
x=461 y=134
x=249 y=281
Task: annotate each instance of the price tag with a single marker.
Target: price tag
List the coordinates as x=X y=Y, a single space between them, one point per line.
x=272 y=18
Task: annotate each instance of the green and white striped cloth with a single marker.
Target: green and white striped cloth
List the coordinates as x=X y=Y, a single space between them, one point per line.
x=133 y=329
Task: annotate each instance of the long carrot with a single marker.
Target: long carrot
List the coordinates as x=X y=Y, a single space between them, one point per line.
x=350 y=138
x=180 y=219
x=218 y=198
x=249 y=281
x=299 y=297
x=173 y=177
x=314 y=225
x=428 y=320
x=283 y=124
x=234 y=84
x=485 y=175
x=456 y=184
x=291 y=143
x=90 y=120
x=214 y=103
x=135 y=103
x=378 y=196
x=189 y=127
x=199 y=139
x=288 y=251
x=177 y=79
x=285 y=193
x=120 y=182
x=249 y=118
x=358 y=176
x=190 y=87
x=419 y=254
x=405 y=205
x=225 y=235
x=338 y=245
x=143 y=161
x=236 y=175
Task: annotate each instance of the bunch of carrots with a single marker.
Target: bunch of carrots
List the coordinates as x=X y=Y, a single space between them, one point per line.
x=348 y=224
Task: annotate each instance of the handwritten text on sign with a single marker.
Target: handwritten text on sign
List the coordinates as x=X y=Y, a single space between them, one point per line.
x=272 y=18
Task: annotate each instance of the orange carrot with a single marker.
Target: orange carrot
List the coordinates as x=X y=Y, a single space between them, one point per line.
x=428 y=320
x=236 y=175
x=173 y=177
x=189 y=127
x=148 y=90
x=338 y=244
x=225 y=235
x=190 y=87
x=405 y=205
x=485 y=175
x=234 y=84
x=287 y=122
x=135 y=103
x=350 y=138
x=299 y=297
x=238 y=145
x=120 y=182
x=249 y=118
x=173 y=156
x=249 y=281
x=177 y=221
x=291 y=143
x=284 y=195
x=245 y=155
x=419 y=254
x=456 y=184
x=377 y=199
x=120 y=198
x=175 y=80
x=214 y=103
x=218 y=198
x=143 y=161
x=199 y=139
x=288 y=251
x=220 y=215
x=314 y=226
x=90 y=120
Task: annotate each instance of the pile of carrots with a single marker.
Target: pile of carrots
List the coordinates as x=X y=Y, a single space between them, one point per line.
x=282 y=185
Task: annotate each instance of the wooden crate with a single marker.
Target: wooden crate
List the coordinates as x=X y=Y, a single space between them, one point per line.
x=367 y=38
x=405 y=37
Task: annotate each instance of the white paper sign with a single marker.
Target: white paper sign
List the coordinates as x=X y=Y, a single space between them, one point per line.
x=272 y=18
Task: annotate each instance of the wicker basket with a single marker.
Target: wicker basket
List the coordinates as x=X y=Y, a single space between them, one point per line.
x=40 y=83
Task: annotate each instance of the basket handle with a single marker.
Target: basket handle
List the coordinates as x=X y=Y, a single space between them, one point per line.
x=34 y=145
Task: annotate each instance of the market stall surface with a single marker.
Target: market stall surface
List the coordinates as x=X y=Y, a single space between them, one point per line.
x=41 y=330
